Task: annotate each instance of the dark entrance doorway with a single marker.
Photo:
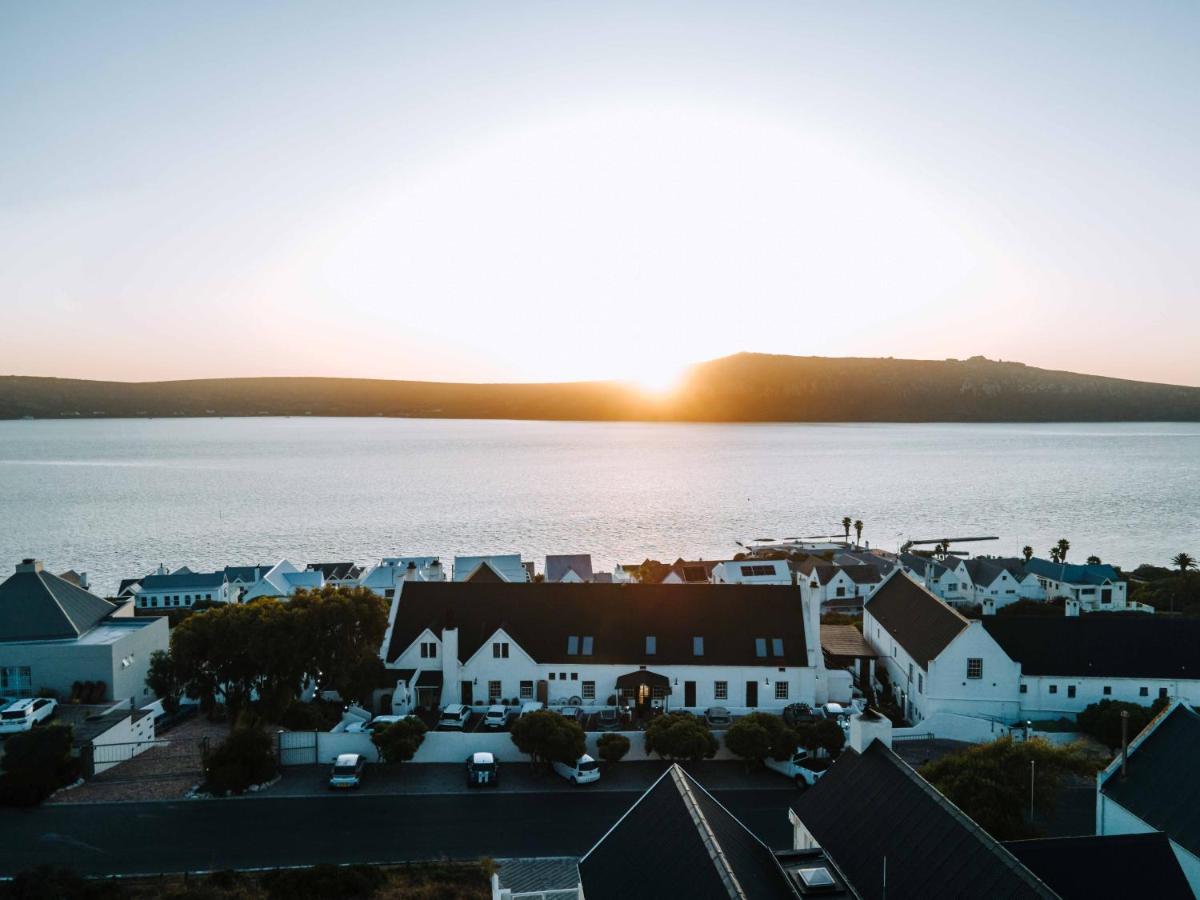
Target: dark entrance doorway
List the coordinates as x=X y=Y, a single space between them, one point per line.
x=752 y=693
x=467 y=693
x=689 y=693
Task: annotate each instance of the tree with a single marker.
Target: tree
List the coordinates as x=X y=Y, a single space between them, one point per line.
x=245 y=758
x=680 y=735
x=1063 y=546
x=846 y=522
x=1093 y=560
x=400 y=741
x=1183 y=562
x=1027 y=552
x=1055 y=555
x=942 y=548
x=823 y=734
x=612 y=747
x=991 y=782
x=545 y=736
x=35 y=764
x=858 y=527
x=342 y=629
x=758 y=736
x=1102 y=720
x=162 y=677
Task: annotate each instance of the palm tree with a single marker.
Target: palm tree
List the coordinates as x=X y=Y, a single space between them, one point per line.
x=1183 y=562
x=846 y=527
x=1093 y=560
x=1027 y=552
x=858 y=527
x=1063 y=546
x=942 y=548
x=1055 y=554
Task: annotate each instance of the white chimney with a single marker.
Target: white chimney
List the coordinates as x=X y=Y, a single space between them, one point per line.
x=869 y=726
x=29 y=565
x=451 y=688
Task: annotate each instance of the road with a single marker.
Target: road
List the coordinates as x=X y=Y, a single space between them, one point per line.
x=145 y=838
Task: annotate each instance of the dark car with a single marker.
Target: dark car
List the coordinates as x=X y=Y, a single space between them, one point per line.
x=482 y=770
x=800 y=714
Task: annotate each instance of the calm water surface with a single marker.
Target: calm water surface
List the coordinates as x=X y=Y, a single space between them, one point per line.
x=116 y=497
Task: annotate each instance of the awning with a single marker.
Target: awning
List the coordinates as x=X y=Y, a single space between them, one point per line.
x=632 y=680
x=430 y=678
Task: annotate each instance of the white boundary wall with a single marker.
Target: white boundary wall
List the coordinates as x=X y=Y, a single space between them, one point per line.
x=953 y=727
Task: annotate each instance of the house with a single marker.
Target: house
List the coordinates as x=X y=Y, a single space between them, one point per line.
x=757 y=571
x=880 y=559
x=55 y=636
x=384 y=578
x=1098 y=588
x=936 y=659
x=947 y=578
x=1001 y=581
x=691 y=647
x=338 y=573
x=839 y=588
x=570 y=567
x=184 y=588
x=241 y=578
x=1157 y=788
x=503 y=567
x=282 y=580
x=891 y=834
x=682 y=571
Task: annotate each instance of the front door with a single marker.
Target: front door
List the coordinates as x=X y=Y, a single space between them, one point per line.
x=752 y=694
x=1106 y=595
x=467 y=695
x=689 y=693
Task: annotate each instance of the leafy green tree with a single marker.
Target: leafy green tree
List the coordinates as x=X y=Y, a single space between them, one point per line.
x=245 y=758
x=35 y=764
x=1027 y=552
x=400 y=741
x=612 y=747
x=991 y=782
x=546 y=737
x=823 y=734
x=342 y=629
x=162 y=677
x=1102 y=720
x=758 y=736
x=680 y=735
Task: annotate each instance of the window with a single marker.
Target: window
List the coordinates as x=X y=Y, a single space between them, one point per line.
x=208 y=596
x=429 y=650
x=1024 y=689
x=587 y=645
x=493 y=691
x=526 y=690
x=720 y=690
x=974 y=667
x=1108 y=690
x=1162 y=693
x=589 y=690
x=500 y=650
x=1071 y=691
x=551 y=676
x=781 y=690
x=760 y=646
x=16 y=680
x=651 y=644
x=841 y=590
x=920 y=683
x=573 y=645
x=562 y=676
x=1143 y=692
x=574 y=676
x=910 y=672
x=658 y=693
x=1054 y=688
x=777 y=646
x=758 y=570
x=697 y=646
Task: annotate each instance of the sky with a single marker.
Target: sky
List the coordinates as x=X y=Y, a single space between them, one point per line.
x=566 y=191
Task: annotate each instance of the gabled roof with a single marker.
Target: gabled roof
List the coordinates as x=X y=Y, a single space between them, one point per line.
x=127 y=586
x=246 y=574
x=1117 y=865
x=1115 y=645
x=557 y=566
x=1072 y=573
x=183 y=581
x=1162 y=787
x=859 y=574
x=618 y=617
x=866 y=558
x=871 y=806
x=508 y=566
x=678 y=841
x=336 y=571
x=689 y=571
x=918 y=621
x=923 y=564
x=38 y=606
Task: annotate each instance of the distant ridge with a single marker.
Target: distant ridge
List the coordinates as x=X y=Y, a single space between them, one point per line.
x=746 y=387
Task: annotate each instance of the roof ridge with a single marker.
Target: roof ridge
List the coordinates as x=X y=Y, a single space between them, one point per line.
x=40 y=575
x=625 y=815
x=713 y=846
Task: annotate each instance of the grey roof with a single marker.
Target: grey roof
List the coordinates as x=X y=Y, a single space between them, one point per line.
x=35 y=606
x=1162 y=787
x=922 y=564
x=539 y=873
x=872 y=806
x=557 y=566
x=985 y=570
x=1071 y=573
x=246 y=574
x=918 y=621
x=336 y=571
x=678 y=841
x=1111 y=865
x=183 y=581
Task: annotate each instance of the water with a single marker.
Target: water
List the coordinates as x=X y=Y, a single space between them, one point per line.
x=116 y=497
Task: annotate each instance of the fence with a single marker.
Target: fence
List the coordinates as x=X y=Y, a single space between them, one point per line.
x=143 y=760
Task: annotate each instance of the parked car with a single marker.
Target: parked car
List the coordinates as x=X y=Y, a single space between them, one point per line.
x=495 y=717
x=801 y=714
x=608 y=720
x=379 y=723
x=531 y=706
x=455 y=716
x=718 y=717
x=347 y=771
x=483 y=770
x=24 y=714
x=583 y=771
x=574 y=713
x=802 y=768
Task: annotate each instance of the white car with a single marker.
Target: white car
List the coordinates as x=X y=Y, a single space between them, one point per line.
x=455 y=716
x=495 y=717
x=583 y=771
x=24 y=714
x=379 y=723
x=347 y=771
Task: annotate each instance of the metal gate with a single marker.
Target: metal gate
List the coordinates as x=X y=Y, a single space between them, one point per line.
x=143 y=760
x=297 y=748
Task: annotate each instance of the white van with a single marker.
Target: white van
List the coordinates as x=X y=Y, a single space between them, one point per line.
x=496 y=716
x=455 y=716
x=24 y=714
x=584 y=770
x=347 y=771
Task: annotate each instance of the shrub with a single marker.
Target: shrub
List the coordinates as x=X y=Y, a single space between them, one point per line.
x=760 y=735
x=545 y=736
x=612 y=747
x=322 y=882
x=680 y=736
x=245 y=758
x=318 y=715
x=400 y=741
x=823 y=734
x=36 y=763
x=1102 y=720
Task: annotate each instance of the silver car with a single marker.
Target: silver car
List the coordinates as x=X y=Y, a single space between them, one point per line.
x=718 y=717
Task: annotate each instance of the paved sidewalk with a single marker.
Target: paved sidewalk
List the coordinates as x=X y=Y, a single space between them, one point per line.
x=519 y=778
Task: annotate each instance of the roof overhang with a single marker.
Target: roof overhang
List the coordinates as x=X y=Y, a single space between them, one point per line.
x=643 y=677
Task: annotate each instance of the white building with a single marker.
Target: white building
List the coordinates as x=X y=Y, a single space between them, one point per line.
x=282 y=580
x=506 y=567
x=1098 y=588
x=184 y=588
x=947 y=578
x=338 y=574
x=1000 y=582
x=839 y=588
x=385 y=577
x=241 y=578
x=692 y=647
x=753 y=571
x=56 y=636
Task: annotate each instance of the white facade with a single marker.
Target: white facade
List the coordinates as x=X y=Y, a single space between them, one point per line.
x=1007 y=588
x=507 y=566
x=183 y=589
x=752 y=571
x=392 y=571
x=283 y=580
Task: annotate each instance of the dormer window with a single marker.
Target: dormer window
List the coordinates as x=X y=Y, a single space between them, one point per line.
x=697 y=646
x=760 y=647
x=651 y=644
x=573 y=645
x=587 y=645
x=777 y=646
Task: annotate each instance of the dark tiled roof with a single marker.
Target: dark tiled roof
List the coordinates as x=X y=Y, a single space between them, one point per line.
x=920 y=564
x=1162 y=787
x=246 y=574
x=1072 y=574
x=859 y=574
x=1116 y=645
x=541 y=617
x=579 y=563
x=918 y=621
x=183 y=581
x=872 y=806
x=1099 y=866
x=126 y=584
x=691 y=571
x=985 y=570
x=38 y=606
x=677 y=841
x=339 y=571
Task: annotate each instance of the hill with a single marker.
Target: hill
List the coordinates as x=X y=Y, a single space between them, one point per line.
x=746 y=387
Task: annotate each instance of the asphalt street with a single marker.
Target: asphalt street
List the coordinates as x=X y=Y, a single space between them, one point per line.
x=200 y=835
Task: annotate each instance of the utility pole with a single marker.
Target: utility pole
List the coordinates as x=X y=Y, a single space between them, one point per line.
x=1032 y=775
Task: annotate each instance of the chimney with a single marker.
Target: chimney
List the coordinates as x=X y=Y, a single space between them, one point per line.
x=410 y=571
x=83 y=581
x=1071 y=608
x=29 y=564
x=868 y=726
x=451 y=688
